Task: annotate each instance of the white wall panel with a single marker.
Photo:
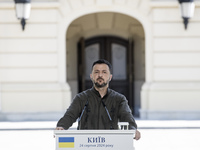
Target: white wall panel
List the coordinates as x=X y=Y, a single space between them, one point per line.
x=34 y=97
x=36 y=15
x=120 y=2
x=8 y=15
x=31 y=30
x=133 y=3
x=166 y=14
x=45 y=101
x=177 y=100
x=28 y=75
x=43 y=15
x=172 y=14
x=176 y=29
x=177 y=44
x=104 y=2
x=177 y=59
x=26 y=45
x=28 y=60
x=88 y=2
x=177 y=74
x=75 y=4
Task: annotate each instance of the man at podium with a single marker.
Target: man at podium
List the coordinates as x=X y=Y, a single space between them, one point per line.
x=99 y=107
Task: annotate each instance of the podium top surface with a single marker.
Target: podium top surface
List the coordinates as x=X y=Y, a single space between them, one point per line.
x=60 y=132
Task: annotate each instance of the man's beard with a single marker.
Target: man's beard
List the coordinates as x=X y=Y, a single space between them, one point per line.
x=100 y=85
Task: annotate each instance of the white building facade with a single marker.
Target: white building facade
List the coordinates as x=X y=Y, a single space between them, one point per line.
x=155 y=60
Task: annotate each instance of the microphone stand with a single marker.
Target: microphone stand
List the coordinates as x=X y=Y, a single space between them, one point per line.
x=79 y=120
x=111 y=127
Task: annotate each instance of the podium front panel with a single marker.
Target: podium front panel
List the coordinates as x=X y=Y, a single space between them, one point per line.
x=94 y=139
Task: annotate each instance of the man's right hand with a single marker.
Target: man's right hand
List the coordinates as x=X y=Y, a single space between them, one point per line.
x=60 y=128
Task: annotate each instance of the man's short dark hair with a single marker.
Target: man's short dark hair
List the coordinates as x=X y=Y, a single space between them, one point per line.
x=103 y=61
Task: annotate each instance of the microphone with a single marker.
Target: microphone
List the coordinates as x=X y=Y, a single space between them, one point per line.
x=111 y=127
x=79 y=120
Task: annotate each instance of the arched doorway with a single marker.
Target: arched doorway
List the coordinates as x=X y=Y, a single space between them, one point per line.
x=108 y=26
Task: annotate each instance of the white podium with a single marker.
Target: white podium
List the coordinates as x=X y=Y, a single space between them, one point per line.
x=94 y=139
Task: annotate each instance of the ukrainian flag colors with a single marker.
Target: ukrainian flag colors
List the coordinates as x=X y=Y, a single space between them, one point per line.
x=66 y=142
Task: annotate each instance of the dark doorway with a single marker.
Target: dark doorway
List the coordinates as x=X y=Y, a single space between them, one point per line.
x=119 y=52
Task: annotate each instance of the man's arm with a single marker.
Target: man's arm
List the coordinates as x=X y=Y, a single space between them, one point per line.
x=126 y=116
x=71 y=115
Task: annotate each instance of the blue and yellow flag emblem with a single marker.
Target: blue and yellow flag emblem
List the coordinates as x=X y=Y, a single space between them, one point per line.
x=66 y=142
